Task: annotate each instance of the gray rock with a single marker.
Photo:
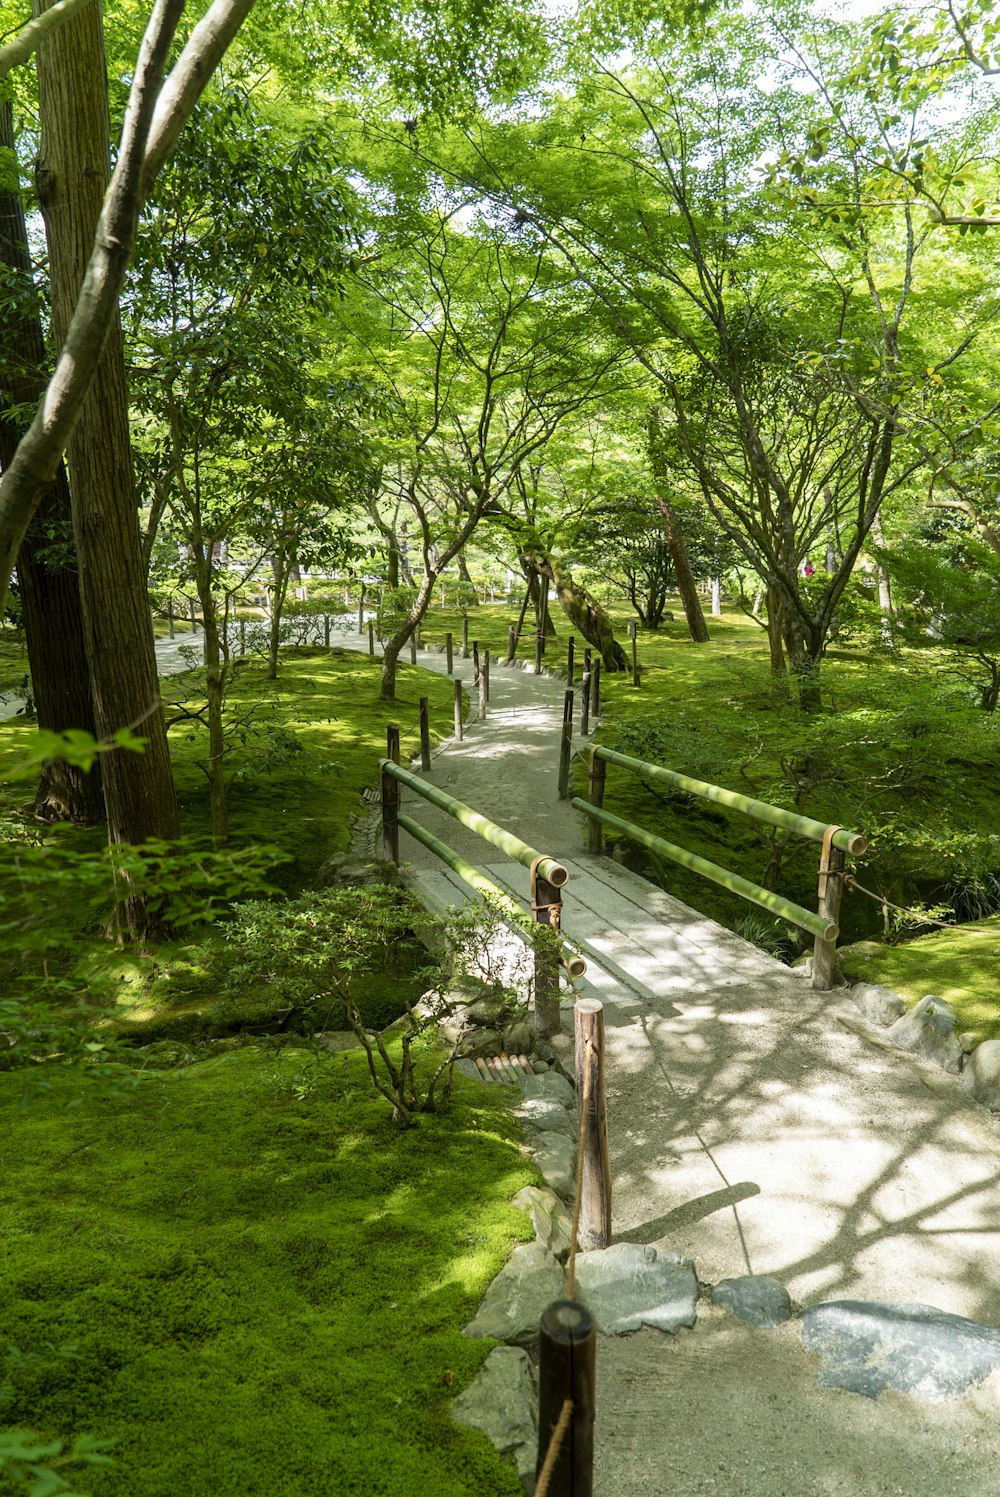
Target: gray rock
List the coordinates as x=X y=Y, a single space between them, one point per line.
x=539 y=1117
x=868 y=1347
x=555 y=1156
x=338 y=1039
x=519 y=1038
x=514 y=1302
x=503 y=1403
x=628 y=1286
x=878 y=1004
x=481 y=1042
x=488 y=1009
x=754 y=1298
x=551 y=1087
x=329 y=872
x=968 y=1041
x=552 y=1222
x=982 y=1074
x=929 y=1030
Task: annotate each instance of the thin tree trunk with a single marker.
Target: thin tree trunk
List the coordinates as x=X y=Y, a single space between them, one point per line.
x=73 y=172
x=50 y=590
x=884 y=589
x=582 y=609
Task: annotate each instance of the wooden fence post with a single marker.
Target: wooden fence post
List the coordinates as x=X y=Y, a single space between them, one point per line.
x=546 y=909
x=193 y=614
x=539 y=644
x=390 y=797
x=361 y=611
x=243 y=636
x=425 y=734
x=170 y=617
x=511 y=643
x=567 y=1370
x=595 y=1182
x=595 y=688
x=831 y=887
x=566 y=747
x=486 y=672
x=585 y=695
x=483 y=694
x=326 y=630
x=449 y=654
x=570 y=648
x=596 y=771
x=459 y=734
x=635 y=657
x=371 y=636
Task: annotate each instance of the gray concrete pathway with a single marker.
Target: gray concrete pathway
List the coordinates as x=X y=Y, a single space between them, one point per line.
x=752 y=1132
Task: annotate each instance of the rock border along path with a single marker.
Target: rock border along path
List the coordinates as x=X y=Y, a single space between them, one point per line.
x=761 y=1139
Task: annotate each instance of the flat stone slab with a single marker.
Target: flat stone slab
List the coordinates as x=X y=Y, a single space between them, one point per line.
x=552 y=1222
x=757 y=1299
x=503 y=1403
x=513 y=1304
x=628 y=1286
x=539 y=1116
x=867 y=1347
x=549 y=1087
x=555 y=1156
x=929 y=1030
x=880 y=1005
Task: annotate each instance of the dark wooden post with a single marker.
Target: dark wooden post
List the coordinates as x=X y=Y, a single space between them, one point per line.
x=546 y=909
x=449 y=653
x=425 y=734
x=170 y=617
x=465 y=637
x=458 y=711
x=567 y=1370
x=243 y=636
x=596 y=771
x=831 y=887
x=511 y=643
x=361 y=611
x=486 y=672
x=543 y=627
x=390 y=797
x=475 y=660
x=570 y=665
x=585 y=709
x=595 y=688
x=192 y=613
x=635 y=657
x=371 y=636
x=595 y=1183
x=326 y=630
x=483 y=698
x=566 y=747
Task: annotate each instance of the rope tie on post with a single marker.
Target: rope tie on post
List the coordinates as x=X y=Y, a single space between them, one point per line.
x=581 y=1144
x=825 y=871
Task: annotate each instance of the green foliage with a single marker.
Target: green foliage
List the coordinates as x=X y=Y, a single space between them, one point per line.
x=35 y=1466
x=394 y=609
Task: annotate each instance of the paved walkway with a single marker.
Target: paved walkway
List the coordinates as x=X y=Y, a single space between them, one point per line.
x=754 y=1133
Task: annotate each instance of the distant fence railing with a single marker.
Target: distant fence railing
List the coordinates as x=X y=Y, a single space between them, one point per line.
x=837 y=843
x=547 y=875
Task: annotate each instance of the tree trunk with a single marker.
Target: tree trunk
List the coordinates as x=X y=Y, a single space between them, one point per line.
x=686 y=586
x=884 y=590
x=216 y=671
x=583 y=611
x=73 y=172
x=50 y=590
x=775 y=631
x=392 y=649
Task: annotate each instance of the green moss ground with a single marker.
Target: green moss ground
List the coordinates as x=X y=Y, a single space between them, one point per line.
x=957 y=965
x=13 y=660
x=263 y=1296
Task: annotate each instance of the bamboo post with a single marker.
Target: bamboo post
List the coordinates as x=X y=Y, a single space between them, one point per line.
x=570 y=649
x=371 y=636
x=595 y=1179
x=413 y=649
x=585 y=709
x=459 y=734
x=538 y=653
x=511 y=643
x=596 y=773
x=361 y=610
x=546 y=909
x=831 y=886
x=425 y=734
x=486 y=672
x=465 y=637
x=566 y=746
x=170 y=617
x=567 y=1371
x=595 y=688
x=449 y=653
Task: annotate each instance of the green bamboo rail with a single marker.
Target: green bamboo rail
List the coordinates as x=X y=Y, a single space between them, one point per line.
x=547 y=868
x=571 y=960
x=817 y=925
x=804 y=826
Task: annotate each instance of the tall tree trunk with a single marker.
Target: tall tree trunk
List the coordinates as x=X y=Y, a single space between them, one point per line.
x=216 y=672
x=582 y=609
x=73 y=172
x=775 y=631
x=50 y=590
x=674 y=533
x=884 y=589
